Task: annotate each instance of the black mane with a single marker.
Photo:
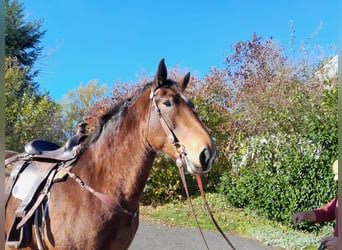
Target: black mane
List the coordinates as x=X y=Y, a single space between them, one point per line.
x=118 y=110
x=115 y=113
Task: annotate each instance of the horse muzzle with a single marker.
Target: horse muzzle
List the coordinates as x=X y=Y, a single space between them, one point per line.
x=202 y=163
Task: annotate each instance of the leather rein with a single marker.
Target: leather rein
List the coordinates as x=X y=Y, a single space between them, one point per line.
x=182 y=161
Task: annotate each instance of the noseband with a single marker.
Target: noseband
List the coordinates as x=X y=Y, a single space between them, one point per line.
x=182 y=161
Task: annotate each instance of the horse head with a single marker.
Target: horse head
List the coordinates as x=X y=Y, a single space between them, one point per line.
x=187 y=138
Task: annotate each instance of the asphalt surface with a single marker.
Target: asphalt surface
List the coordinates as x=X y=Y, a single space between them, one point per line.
x=154 y=236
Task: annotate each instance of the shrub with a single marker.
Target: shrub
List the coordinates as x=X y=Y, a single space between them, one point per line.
x=164 y=183
x=288 y=176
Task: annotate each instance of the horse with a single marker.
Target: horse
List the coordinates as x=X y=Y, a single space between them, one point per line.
x=116 y=161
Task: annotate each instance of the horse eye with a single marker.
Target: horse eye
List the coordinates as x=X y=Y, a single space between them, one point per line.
x=167 y=103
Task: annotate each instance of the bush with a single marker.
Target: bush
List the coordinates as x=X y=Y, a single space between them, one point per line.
x=164 y=183
x=289 y=176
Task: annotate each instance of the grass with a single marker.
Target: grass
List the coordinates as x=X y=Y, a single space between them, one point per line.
x=238 y=221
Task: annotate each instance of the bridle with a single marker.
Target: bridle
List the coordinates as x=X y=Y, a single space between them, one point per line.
x=166 y=127
x=182 y=161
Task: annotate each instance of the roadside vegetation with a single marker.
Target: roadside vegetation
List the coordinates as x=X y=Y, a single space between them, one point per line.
x=272 y=111
x=243 y=222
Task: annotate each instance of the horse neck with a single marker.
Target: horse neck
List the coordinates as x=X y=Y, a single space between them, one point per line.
x=120 y=160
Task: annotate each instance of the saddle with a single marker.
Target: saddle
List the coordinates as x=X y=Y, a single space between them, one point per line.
x=33 y=173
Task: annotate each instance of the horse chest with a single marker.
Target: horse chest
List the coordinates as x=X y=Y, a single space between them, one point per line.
x=94 y=231
x=120 y=234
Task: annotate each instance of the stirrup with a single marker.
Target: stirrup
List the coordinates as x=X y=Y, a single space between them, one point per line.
x=16 y=238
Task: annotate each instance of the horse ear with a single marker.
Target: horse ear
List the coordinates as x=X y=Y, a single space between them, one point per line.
x=161 y=74
x=185 y=81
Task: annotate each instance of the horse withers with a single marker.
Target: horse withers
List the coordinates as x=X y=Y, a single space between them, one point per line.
x=116 y=161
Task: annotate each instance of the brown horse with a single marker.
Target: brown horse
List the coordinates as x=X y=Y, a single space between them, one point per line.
x=117 y=160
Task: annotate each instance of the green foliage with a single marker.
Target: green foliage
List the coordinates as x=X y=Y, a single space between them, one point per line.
x=14 y=86
x=279 y=186
x=286 y=239
x=36 y=116
x=28 y=115
x=165 y=184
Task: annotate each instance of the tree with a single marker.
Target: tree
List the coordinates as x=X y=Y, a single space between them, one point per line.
x=36 y=117
x=258 y=73
x=77 y=105
x=22 y=38
x=28 y=115
x=286 y=136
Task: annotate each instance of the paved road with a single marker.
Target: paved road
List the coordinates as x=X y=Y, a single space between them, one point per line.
x=158 y=237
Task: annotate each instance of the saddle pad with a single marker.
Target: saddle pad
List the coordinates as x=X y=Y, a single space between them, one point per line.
x=30 y=179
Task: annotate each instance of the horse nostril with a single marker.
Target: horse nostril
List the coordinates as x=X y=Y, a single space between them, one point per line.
x=205 y=157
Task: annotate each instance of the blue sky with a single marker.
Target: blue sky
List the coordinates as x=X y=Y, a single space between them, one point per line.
x=111 y=41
